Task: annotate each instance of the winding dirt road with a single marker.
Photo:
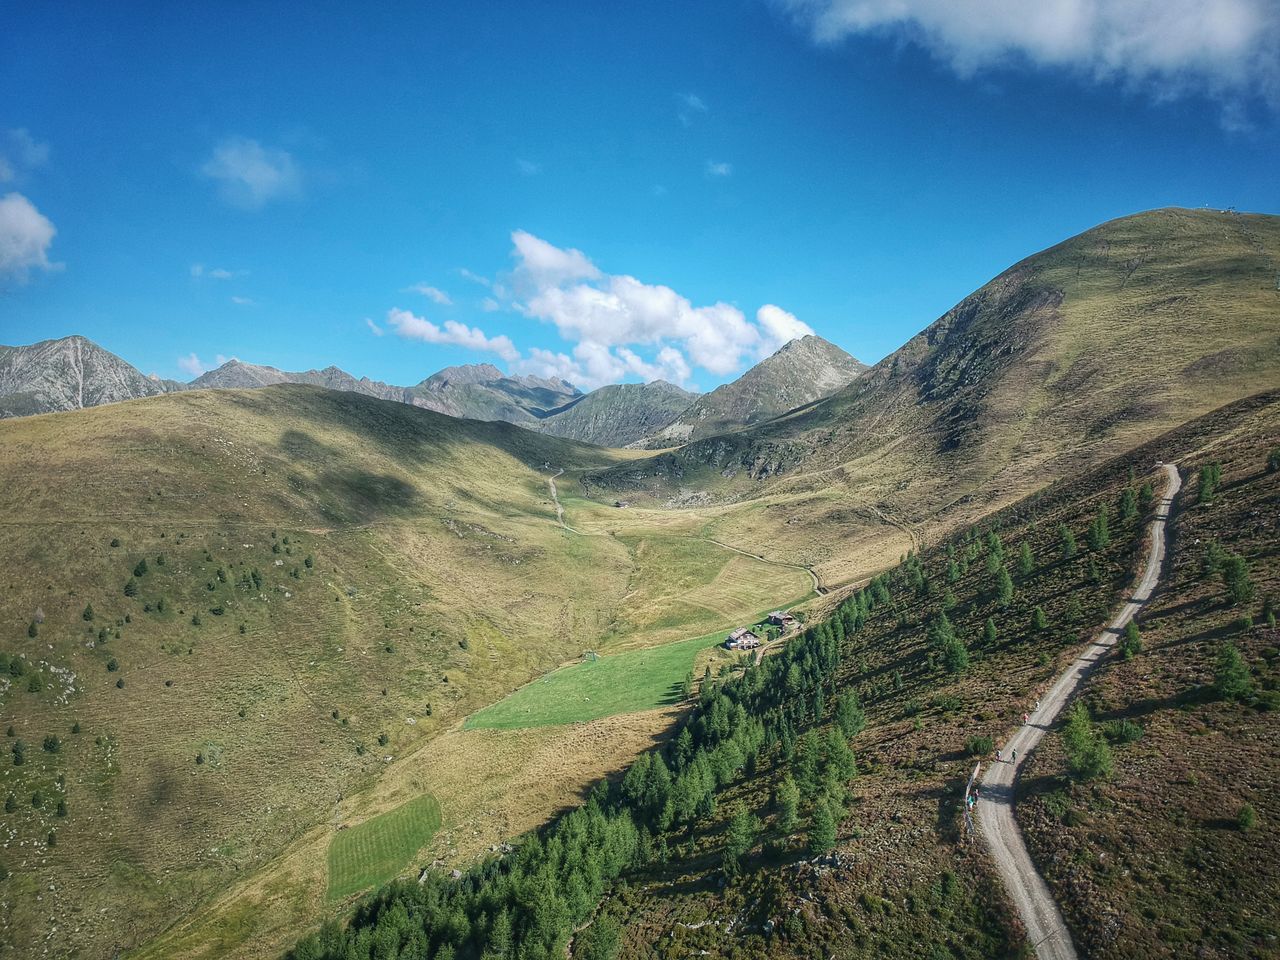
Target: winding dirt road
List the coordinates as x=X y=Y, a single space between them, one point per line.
x=1040 y=914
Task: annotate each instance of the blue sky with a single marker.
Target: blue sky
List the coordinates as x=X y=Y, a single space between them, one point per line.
x=603 y=191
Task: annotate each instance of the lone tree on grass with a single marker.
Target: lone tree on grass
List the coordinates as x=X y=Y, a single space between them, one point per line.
x=1088 y=755
x=1068 y=541
x=1231 y=679
x=1004 y=587
x=88 y=612
x=1099 y=531
x=1146 y=496
x=1039 y=622
x=1128 y=504
x=1131 y=643
x=1235 y=577
x=1210 y=477
x=989 y=633
x=131 y=587
x=1026 y=563
x=140 y=570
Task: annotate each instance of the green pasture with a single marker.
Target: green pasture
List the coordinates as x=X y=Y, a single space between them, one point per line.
x=377 y=850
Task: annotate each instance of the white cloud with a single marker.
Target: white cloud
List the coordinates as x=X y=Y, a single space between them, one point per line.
x=490 y=305
x=466 y=274
x=691 y=106
x=413 y=327
x=431 y=293
x=528 y=168
x=25 y=237
x=719 y=169
x=243 y=301
x=606 y=316
x=250 y=175
x=192 y=365
x=377 y=330
x=544 y=264
x=198 y=271
x=780 y=326
x=1223 y=47
x=220 y=359
x=20 y=153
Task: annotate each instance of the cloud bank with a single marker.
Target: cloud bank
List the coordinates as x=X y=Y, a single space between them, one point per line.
x=607 y=316
x=1225 y=48
x=25 y=237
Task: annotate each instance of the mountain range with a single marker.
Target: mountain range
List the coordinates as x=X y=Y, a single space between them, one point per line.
x=73 y=372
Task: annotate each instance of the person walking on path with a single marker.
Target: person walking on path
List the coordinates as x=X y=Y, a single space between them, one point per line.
x=1013 y=756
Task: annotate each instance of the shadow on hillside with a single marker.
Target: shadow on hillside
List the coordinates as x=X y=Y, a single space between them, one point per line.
x=365 y=496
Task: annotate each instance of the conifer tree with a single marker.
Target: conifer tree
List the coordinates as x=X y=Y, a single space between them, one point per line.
x=822 y=830
x=1068 y=541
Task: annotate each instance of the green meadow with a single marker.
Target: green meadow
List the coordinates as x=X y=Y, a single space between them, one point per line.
x=377 y=850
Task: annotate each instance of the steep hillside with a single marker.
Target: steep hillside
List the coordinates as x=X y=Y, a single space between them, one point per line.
x=66 y=374
x=810 y=804
x=246 y=617
x=1075 y=353
x=801 y=372
x=232 y=608
x=617 y=414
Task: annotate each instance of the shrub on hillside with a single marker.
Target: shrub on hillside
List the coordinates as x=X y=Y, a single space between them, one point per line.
x=1246 y=818
x=1123 y=730
x=1131 y=642
x=979 y=746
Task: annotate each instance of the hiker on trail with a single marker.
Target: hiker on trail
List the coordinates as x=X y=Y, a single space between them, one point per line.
x=1013 y=756
x=1026 y=718
x=998 y=757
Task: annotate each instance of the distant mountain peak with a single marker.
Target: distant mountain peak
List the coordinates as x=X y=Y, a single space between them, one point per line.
x=801 y=371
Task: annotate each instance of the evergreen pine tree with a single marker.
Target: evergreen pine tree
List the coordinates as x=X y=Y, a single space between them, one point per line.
x=1068 y=541
x=822 y=829
x=1026 y=563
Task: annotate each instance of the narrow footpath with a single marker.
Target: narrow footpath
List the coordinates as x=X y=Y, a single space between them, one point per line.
x=1046 y=930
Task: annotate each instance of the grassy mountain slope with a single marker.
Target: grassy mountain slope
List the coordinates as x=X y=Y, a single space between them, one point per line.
x=720 y=873
x=801 y=372
x=1072 y=355
x=1155 y=860
x=1146 y=862
x=66 y=374
x=336 y=570
x=617 y=414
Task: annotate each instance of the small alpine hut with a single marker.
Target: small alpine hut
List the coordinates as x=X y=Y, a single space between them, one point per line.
x=780 y=618
x=742 y=639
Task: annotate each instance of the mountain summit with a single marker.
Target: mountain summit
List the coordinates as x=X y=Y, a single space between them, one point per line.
x=67 y=374
x=801 y=372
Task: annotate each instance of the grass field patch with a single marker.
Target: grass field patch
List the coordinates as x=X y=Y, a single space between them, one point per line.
x=621 y=683
x=377 y=850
